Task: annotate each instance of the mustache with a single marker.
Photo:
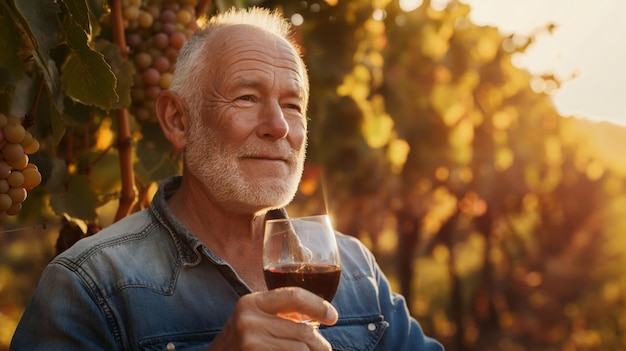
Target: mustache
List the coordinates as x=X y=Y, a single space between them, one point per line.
x=279 y=151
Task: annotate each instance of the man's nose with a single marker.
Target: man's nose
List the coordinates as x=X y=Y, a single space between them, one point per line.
x=273 y=123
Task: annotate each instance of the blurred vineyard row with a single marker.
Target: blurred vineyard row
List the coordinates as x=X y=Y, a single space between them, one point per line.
x=499 y=219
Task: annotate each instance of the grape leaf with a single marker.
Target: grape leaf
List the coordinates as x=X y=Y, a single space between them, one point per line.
x=50 y=122
x=86 y=77
x=124 y=70
x=6 y=92
x=164 y=168
x=41 y=24
x=10 y=42
x=56 y=173
x=78 y=200
x=153 y=153
x=105 y=174
x=57 y=126
x=79 y=10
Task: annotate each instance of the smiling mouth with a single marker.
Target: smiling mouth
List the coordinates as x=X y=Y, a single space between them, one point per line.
x=266 y=158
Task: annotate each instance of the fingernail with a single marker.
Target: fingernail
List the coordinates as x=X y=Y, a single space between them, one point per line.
x=331 y=313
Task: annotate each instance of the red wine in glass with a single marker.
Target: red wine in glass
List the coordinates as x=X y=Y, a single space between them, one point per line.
x=302 y=252
x=320 y=279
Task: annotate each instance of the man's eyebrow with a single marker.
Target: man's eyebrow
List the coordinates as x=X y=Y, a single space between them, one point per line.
x=295 y=90
x=295 y=93
x=246 y=82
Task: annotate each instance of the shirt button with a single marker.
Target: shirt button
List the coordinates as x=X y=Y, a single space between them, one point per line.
x=171 y=347
x=371 y=327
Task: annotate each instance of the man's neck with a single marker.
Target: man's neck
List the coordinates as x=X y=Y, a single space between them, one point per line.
x=210 y=223
x=236 y=238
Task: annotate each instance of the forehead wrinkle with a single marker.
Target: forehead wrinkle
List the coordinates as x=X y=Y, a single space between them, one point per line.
x=237 y=38
x=263 y=55
x=244 y=66
x=264 y=51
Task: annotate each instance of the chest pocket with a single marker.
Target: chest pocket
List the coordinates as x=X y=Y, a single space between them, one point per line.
x=361 y=324
x=361 y=334
x=178 y=342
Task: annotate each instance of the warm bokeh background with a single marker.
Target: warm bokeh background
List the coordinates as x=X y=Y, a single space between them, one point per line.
x=499 y=219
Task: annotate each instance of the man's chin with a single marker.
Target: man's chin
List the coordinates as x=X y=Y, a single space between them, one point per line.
x=260 y=204
x=272 y=205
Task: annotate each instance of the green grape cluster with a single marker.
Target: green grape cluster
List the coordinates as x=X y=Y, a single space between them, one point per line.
x=155 y=32
x=17 y=175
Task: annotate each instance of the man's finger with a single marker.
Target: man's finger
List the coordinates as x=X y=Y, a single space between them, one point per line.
x=293 y=299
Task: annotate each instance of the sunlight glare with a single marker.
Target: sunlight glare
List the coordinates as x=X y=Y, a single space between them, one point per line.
x=379 y=14
x=582 y=46
x=439 y=5
x=410 y=5
x=297 y=19
x=315 y=8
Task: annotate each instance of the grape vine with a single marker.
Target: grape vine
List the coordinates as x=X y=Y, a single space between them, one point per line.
x=155 y=32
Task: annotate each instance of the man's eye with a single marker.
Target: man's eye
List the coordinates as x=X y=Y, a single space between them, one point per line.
x=293 y=107
x=246 y=98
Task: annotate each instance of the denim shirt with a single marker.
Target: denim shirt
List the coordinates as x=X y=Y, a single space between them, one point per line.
x=146 y=283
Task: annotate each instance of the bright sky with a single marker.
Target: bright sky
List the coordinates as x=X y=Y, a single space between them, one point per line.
x=590 y=42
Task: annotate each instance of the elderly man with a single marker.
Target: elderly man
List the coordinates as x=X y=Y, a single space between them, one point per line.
x=186 y=274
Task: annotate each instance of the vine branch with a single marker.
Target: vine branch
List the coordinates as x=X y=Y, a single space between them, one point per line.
x=29 y=119
x=128 y=196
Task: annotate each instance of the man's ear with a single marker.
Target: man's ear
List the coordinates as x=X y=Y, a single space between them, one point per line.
x=173 y=117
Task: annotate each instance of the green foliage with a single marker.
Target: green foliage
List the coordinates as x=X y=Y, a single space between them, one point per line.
x=11 y=63
x=78 y=201
x=122 y=70
x=87 y=77
x=41 y=27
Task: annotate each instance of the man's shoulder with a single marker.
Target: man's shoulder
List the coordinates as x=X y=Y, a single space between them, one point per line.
x=135 y=251
x=354 y=253
x=351 y=243
x=110 y=240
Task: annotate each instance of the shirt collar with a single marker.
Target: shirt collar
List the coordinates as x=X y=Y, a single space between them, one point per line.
x=189 y=247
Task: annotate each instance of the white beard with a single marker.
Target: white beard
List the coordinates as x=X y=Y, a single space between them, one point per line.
x=226 y=184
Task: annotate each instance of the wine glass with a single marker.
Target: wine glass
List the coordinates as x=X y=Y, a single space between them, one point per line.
x=302 y=251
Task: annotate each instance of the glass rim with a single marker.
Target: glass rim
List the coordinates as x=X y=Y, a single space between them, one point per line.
x=300 y=218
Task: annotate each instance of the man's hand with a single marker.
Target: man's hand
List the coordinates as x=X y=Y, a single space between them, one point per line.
x=255 y=324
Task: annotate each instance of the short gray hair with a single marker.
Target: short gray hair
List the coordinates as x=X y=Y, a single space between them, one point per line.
x=190 y=63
